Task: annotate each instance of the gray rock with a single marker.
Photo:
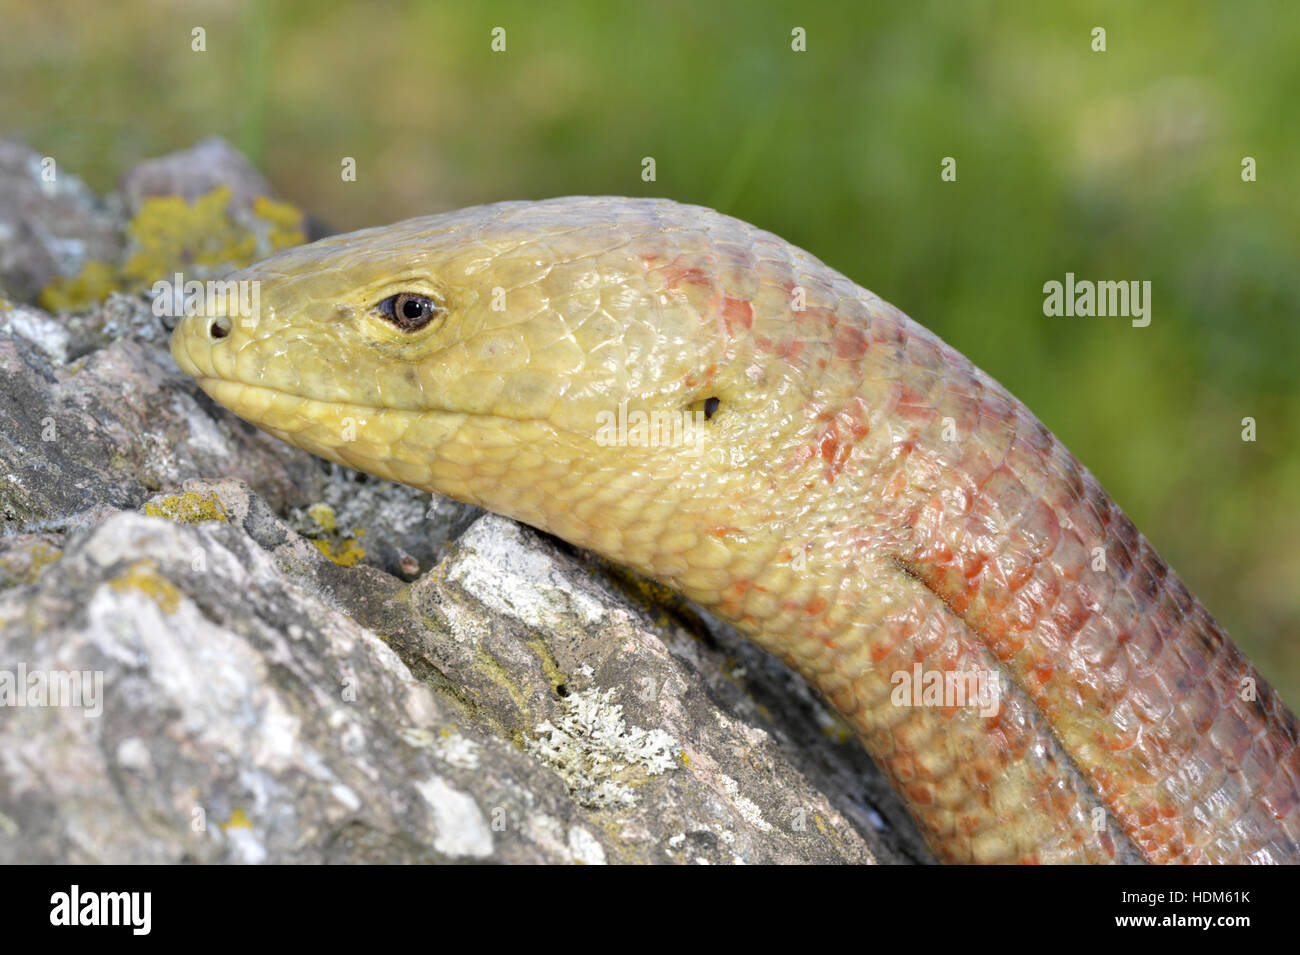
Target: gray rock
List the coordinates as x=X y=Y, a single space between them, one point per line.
x=280 y=660
x=195 y=172
x=51 y=224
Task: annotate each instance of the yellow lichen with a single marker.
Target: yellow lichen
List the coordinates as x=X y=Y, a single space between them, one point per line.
x=550 y=666
x=202 y=239
x=340 y=547
x=42 y=555
x=323 y=515
x=169 y=234
x=143 y=576
x=285 y=220
x=837 y=731
x=26 y=565
x=346 y=553
x=238 y=820
x=93 y=284
x=187 y=508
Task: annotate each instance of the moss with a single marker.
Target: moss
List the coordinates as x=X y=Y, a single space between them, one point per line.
x=187 y=508
x=203 y=239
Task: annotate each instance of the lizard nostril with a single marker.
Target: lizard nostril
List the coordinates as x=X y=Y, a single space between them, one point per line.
x=220 y=327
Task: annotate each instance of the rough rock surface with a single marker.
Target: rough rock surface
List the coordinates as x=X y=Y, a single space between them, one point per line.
x=216 y=648
x=50 y=223
x=193 y=173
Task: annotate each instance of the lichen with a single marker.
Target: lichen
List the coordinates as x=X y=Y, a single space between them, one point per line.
x=286 y=222
x=24 y=565
x=238 y=820
x=835 y=729
x=93 y=283
x=323 y=515
x=320 y=527
x=346 y=552
x=169 y=234
x=593 y=750
x=143 y=576
x=203 y=239
x=744 y=805
x=187 y=508
x=457 y=750
x=549 y=664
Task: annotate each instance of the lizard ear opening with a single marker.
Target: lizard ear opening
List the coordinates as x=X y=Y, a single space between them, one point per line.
x=707 y=405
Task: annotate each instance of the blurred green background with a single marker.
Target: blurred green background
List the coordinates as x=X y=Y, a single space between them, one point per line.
x=1117 y=165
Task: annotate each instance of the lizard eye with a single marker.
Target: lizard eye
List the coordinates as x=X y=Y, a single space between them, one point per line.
x=409 y=311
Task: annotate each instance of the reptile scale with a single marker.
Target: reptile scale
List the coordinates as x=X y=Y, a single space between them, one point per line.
x=856 y=498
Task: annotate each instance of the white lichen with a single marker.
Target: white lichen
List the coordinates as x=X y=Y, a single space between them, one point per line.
x=745 y=806
x=592 y=749
x=457 y=750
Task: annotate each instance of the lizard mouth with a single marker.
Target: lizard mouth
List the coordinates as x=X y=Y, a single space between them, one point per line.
x=255 y=402
x=251 y=402
x=358 y=435
x=393 y=443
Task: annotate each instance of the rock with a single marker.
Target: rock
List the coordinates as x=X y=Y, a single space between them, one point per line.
x=280 y=660
x=51 y=224
x=112 y=426
x=193 y=173
x=248 y=700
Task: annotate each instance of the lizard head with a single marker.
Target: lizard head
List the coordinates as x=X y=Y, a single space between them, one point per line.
x=559 y=362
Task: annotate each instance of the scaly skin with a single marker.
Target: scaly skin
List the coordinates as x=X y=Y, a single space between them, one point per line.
x=863 y=500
